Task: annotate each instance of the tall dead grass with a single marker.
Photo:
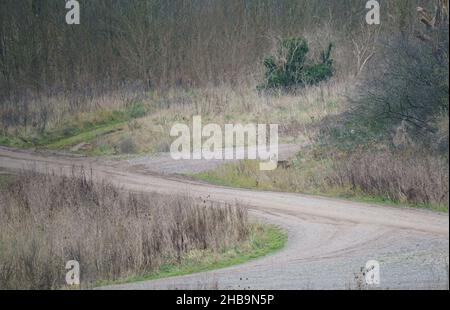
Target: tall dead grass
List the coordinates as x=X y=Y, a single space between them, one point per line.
x=47 y=220
x=405 y=177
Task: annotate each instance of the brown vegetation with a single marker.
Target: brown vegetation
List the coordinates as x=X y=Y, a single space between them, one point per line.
x=47 y=220
x=407 y=177
x=182 y=58
x=399 y=177
x=48 y=67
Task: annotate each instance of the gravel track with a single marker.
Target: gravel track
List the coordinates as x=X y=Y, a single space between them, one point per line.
x=329 y=239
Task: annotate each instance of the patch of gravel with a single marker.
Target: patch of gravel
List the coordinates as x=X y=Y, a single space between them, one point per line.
x=163 y=163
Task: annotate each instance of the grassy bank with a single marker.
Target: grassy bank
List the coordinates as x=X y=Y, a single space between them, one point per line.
x=144 y=125
x=419 y=182
x=262 y=240
x=80 y=128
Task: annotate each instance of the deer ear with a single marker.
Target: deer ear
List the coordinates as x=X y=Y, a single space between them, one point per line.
x=425 y=17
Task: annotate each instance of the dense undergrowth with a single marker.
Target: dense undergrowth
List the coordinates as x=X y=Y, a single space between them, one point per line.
x=47 y=220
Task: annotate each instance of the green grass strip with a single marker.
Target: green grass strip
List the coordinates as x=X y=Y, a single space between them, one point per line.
x=263 y=240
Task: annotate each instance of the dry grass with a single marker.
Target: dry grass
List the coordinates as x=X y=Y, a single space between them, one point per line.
x=375 y=175
x=46 y=220
x=405 y=177
x=222 y=45
x=224 y=105
x=221 y=105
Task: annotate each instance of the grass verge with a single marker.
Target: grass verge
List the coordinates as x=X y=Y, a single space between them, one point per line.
x=84 y=127
x=310 y=176
x=263 y=240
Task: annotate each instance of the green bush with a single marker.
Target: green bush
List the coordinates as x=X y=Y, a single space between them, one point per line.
x=136 y=110
x=291 y=68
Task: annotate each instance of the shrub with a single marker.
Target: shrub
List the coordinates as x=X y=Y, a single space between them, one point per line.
x=409 y=85
x=290 y=67
x=136 y=110
x=408 y=89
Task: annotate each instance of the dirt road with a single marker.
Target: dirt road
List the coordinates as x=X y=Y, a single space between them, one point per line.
x=329 y=239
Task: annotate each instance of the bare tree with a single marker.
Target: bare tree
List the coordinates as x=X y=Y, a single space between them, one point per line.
x=364 y=46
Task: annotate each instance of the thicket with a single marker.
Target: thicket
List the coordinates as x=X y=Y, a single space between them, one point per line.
x=159 y=43
x=404 y=97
